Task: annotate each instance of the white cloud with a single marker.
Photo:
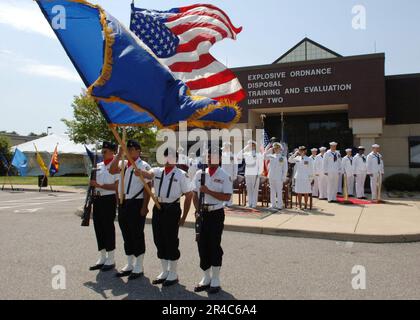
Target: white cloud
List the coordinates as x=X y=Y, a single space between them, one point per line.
x=35 y=68
x=24 y=16
x=52 y=71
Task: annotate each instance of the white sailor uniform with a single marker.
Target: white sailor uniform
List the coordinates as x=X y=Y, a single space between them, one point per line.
x=230 y=165
x=315 y=186
x=375 y=167
x=320 y=177
x=360 y=170
x=253 y=169
x=332 y=167
x=347 y=166
x=277 y=175
x=304 y=174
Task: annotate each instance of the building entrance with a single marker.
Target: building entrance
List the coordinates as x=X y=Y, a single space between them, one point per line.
x=314 y=130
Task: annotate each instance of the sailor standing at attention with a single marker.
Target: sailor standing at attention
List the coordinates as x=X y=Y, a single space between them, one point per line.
x=132 y=213
x=360 y=172
x=375 y=170
x=104 y=209
x=304 y=175
x=315 y=186
x=253 y=169
x=347 y=165
x=320 y=177
x=217 y=190
x=277 y=174
x=230 y=165
x=332 y=168
x=170 y=184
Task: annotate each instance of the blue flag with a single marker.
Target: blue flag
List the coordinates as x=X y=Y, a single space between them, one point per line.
x=20 y=162
x=121 y=72
x=91 y=156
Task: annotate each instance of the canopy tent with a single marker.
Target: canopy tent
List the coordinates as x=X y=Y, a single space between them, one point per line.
x=72 y=157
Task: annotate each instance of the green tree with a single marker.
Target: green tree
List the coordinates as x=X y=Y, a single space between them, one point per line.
x=5 y=150
x=89 y=126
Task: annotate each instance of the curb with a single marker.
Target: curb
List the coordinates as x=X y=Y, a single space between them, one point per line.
x=306 y=234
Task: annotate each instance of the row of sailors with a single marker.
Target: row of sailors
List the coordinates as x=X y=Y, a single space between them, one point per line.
x=318 y=174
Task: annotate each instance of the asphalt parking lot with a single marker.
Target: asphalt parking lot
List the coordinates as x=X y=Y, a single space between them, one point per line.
x=39 y=232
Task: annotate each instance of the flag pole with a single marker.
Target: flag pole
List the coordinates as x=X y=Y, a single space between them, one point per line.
x=122 y=173
x=124 y=147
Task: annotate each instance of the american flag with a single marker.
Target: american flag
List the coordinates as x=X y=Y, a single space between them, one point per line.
x=181 y=38
x=266 y=143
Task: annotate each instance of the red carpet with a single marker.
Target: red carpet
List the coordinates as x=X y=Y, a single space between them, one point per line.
x=355 y=201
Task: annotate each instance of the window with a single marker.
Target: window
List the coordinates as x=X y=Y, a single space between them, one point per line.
x=414 y=151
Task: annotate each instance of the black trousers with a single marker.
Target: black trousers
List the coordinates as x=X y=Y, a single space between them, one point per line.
x=104 y=212
x=165 y=223
x=209 y=243
x=132 y=227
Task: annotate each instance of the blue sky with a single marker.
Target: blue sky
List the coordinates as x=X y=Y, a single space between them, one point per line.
x=38 y=82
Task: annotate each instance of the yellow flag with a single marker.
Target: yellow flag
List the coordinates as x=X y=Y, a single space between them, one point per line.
x=41 y=162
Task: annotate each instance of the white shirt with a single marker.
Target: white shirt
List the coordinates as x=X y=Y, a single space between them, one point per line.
x=104 y=177
x=229 y=164
x=278 y=166
x=319 y=164
x=375 y=163
x=304 y=167
x=347 y=165
x=132 y=183
x=168 y=192
x=359 y=164
x=254 y=163
x=332 y=164
x=219 y=182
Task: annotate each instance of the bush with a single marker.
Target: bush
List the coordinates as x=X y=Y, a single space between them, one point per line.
x=401 y=182
x=5 y=151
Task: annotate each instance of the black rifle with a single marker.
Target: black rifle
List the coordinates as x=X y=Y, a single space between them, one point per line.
x=90 y=196
x=200 y=212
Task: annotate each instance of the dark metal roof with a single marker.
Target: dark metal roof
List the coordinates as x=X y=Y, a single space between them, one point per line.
x=310 y=41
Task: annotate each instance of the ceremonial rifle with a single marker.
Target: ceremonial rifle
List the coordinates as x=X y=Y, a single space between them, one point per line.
x=90 y=196
x=200 y=211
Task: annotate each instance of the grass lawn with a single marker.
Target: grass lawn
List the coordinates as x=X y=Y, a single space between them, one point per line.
x=54 y=181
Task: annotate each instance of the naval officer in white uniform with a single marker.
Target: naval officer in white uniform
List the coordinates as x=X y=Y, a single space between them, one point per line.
x=304 y=175
x=230 y=165
x=254 y=163
x=360 y=172
x=332 y=168
x=321 y=178
x=375 y=170
x=277 y=174
x=315 y=186
x=347 y=166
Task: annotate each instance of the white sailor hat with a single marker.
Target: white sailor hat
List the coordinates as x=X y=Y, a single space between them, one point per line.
x=333 y=144
x=314 y=149
x=376 y=146
x=251 y=142
x=276 y=144
x=361 y=148
x=349 y=150
x=322 y=149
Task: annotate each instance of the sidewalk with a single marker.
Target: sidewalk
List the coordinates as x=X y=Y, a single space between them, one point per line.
x=398 y=220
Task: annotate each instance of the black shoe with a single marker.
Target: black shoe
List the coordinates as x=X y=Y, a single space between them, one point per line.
x=201 y=288
x=96 y=267
x=158 y=281
x=107 y=268
x=134 y=276
x=122 y=274
x=167 y=283
x=214 y=290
